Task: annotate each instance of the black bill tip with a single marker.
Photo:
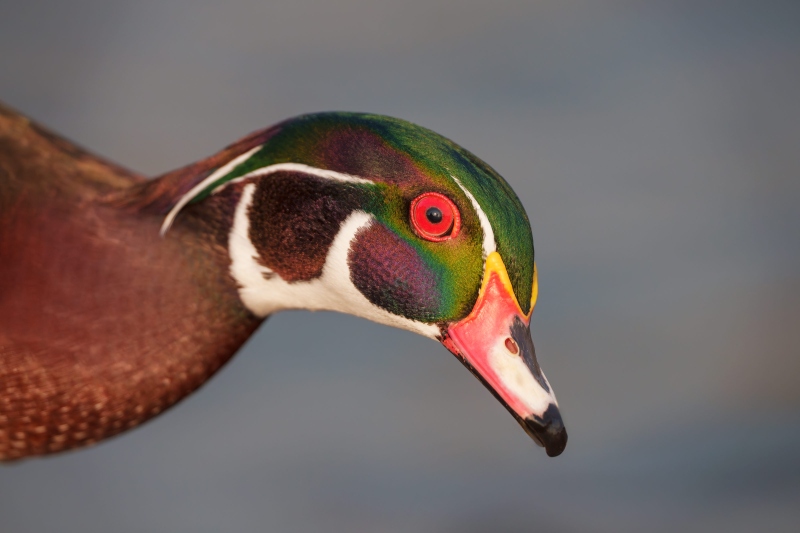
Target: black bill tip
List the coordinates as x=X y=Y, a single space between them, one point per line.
x=548 y=431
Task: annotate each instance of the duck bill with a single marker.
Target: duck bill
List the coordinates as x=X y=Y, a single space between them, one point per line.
x=494 y=343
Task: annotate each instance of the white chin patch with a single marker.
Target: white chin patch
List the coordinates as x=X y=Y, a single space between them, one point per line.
x=264 y=292
x=516 y=378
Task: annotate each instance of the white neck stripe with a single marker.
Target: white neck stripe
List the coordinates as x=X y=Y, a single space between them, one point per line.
x=489 y=244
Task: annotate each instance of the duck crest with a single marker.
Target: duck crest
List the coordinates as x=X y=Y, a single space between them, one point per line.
x=161 y=194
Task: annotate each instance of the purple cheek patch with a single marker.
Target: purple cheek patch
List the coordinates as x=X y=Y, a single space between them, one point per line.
x=391 y=274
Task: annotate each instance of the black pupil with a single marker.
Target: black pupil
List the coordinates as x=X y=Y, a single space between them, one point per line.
x=434 y=215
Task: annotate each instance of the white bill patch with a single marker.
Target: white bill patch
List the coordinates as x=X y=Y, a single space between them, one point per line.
x=489 y=244
x=517 y=379
x=332 y=291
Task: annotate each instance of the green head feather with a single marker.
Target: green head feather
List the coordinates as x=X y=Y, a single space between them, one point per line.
x=403 y=160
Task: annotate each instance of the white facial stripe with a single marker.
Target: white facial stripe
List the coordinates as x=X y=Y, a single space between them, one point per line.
x=517 y=379
x=298 y=167
x=225 y=169
x=263 y=171
x=332 y=291
x=489 y=244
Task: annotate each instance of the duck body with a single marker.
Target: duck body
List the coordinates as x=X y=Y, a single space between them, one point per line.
x=120 y=295
x=103 y=324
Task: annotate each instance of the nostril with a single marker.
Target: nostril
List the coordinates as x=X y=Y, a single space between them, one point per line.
x=511 y=346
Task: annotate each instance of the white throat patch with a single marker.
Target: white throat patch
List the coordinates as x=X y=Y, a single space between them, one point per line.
x=264 y=292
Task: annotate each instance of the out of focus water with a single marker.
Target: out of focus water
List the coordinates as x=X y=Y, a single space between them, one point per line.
x=656 y=147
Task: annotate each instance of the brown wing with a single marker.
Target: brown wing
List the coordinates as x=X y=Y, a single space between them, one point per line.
x=103 y=324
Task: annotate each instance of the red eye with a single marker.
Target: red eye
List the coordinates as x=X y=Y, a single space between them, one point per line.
x=435 y=217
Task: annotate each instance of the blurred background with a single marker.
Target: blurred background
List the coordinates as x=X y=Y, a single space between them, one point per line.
x=656 y=148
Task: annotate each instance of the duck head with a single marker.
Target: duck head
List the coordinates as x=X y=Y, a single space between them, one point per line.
x=386 y=220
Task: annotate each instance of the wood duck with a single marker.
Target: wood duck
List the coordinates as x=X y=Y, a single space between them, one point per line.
x=120 y=295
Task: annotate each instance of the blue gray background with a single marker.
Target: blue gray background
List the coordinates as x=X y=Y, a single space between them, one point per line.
x=656 y=147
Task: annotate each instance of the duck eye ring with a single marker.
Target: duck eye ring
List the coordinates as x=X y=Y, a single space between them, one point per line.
x=435 y=217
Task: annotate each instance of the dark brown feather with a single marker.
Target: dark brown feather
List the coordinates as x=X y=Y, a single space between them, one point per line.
x=295 y=218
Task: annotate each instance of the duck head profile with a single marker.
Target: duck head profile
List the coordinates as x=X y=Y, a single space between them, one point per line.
x=362 y=214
